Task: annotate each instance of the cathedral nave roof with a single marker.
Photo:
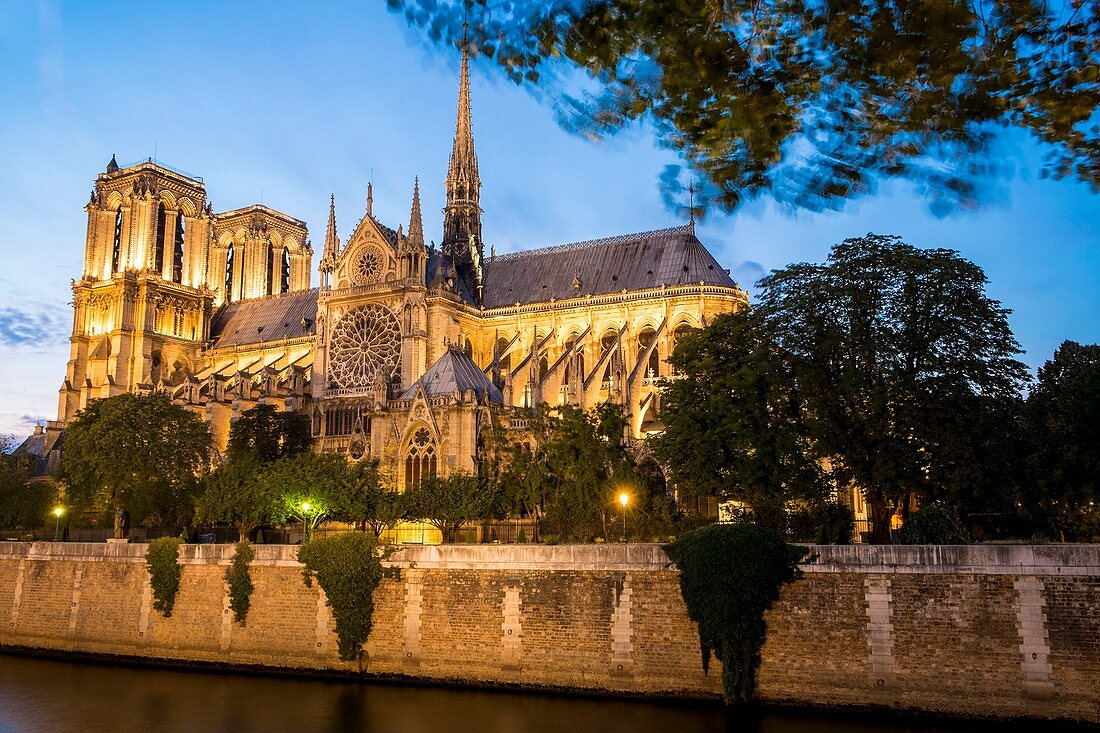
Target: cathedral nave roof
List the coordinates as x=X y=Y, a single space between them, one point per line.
x=264 y=319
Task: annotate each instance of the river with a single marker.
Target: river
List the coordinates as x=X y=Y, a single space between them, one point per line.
x=46 y=695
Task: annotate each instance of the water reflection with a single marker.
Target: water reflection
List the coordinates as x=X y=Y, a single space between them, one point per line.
x=46 y=695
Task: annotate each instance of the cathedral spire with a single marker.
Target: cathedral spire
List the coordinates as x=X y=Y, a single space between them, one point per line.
x=416 y=221
x=332 y=242
x=462 y=241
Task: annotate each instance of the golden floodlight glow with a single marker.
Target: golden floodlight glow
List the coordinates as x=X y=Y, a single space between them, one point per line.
x=624 y=498
x=58 y=511
x=305 y=506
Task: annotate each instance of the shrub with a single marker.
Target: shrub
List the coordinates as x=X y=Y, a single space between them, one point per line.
x=836 y=522
x=239 y=581
x=162 y=559
x=521 y=538
x=348 y=568
x=933 y=524
x=729 y=575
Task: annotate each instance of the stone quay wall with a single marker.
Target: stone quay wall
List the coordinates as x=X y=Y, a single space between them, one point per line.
x=997 y=631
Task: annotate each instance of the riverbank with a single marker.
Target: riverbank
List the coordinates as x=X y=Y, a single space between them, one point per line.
x=990 y=631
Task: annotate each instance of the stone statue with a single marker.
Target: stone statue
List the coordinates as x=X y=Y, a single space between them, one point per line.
x=120 y=516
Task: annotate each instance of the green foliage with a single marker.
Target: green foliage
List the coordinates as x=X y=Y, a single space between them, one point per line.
x=810 y=103
x=236 y=493
x=570 y=468
x=333 y=489
x=139 y=452
x=239 y=581
x=730 y=574
x=836 y=522
x=890 y=347
x=521 y=537
x=1062 y=421
x=269 y=434
x=24 y=503
x=733 y=421
x=448 y=503
x=348 y=567
x=933 y=524
x=162 y=559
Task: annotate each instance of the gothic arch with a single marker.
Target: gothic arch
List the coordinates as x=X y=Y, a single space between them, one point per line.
x=168 y=199
x=187 y=206
x=420 y=455
x=114 y=201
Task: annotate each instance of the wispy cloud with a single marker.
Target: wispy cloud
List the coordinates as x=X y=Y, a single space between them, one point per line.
x=45 y=326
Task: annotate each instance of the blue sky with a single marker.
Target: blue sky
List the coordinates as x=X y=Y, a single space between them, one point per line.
x=301 y=100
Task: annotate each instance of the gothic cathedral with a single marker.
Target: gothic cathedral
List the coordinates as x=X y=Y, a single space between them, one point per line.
x=405 y=352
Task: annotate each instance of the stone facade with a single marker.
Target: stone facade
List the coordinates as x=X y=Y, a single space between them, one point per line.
x=973 y=631
x=216 y=310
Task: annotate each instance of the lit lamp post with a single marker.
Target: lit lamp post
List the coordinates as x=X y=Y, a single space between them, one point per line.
x=57 y=512
x=624 y=499
x=305 y=521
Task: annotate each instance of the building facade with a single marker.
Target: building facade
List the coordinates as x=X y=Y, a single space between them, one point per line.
x=405 y=352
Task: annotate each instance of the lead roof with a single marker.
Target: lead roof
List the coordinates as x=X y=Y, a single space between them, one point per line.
x=640 y=261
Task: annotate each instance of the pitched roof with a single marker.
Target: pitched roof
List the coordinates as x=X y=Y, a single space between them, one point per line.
x=673 y=256
x=455 y=371
x=264 y=319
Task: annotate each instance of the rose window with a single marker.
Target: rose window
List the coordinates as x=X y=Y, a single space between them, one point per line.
x=365 y=347
x=367 y=267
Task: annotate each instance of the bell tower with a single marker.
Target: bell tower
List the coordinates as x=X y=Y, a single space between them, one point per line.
x=142 y=306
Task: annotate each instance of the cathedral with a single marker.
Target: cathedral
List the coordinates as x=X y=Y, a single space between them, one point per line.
x=406 y=351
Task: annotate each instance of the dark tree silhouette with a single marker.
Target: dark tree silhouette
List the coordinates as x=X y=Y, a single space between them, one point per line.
x=812 y=102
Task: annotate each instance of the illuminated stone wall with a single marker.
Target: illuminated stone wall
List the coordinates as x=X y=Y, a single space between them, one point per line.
x=991 y=631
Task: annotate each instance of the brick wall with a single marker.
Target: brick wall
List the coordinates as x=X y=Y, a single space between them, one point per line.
x=991 y=631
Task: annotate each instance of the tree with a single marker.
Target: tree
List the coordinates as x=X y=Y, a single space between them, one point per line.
x=140 y=453
x=1062 y=421
x=448 y=503
x=237 y=493
x=812 y=103
x=733 y=421
x=24 y=503
x=889 y=346
x=569 y=468
x=269 y=434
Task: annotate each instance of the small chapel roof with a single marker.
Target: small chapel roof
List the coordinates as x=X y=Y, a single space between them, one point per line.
x=455 y=371
x=264 y=319
x=672 y=256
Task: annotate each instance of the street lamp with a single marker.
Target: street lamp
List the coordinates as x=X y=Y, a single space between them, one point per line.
x=305 y=521
x=624 y=499
x=57 y=512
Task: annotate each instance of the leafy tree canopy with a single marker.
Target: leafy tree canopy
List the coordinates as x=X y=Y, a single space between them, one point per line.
x=269 y=434
x=733 y=421
x=448 y=503
x=24 y=504
x=890 y=347
x=138 y=452
x=1062 y=418
x=810 y=102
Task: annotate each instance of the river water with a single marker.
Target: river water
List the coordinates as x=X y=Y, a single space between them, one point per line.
x=59 y=696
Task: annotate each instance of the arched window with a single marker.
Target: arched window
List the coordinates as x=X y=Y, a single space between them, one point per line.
x=421 y=461
x=682 y=332
x=606 y=344
x=270 y=267
x=544 y=367
x=645 y=340
x=229 y=274
x=116 y=251
x=504 y=361
x=177 y=250
x=162 y=223
x=468 y=348
x=575 y=362
x=284 y=285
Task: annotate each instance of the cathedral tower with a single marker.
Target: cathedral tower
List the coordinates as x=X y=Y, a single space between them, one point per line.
x=462 y=243
x=142 y=306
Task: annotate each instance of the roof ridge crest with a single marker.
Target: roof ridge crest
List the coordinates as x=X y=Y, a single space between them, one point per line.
x=584 y=244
